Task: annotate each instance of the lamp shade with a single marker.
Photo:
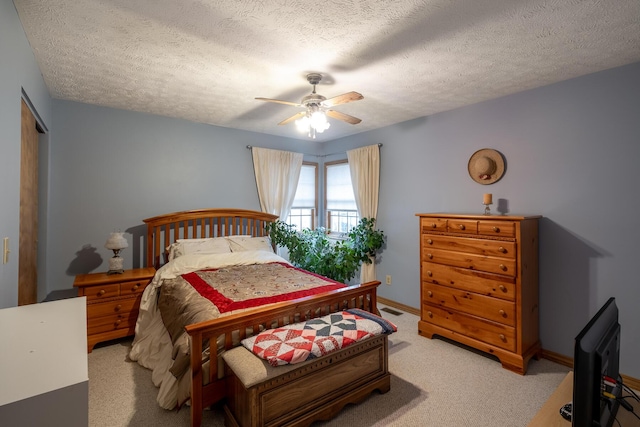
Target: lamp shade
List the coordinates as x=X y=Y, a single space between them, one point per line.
x=116 y=241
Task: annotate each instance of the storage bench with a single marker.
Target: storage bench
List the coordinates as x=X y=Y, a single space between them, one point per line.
x=259 y=394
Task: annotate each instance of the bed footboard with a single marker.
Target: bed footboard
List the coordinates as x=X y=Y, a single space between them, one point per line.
x=230 y=330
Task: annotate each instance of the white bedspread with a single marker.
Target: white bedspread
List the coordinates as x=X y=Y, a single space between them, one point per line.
x=152 y=347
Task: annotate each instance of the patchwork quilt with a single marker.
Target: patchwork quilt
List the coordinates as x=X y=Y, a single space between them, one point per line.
x=298 y=342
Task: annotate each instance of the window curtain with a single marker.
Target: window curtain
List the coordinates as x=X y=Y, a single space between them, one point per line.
x=364 y=165
x=277 y=173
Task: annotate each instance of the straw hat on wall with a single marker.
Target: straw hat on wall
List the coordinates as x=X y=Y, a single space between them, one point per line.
x=486 y=166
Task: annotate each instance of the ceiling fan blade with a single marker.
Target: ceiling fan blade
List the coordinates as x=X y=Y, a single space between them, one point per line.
x=279 y=102
x=342 y=99
x=344 y=117
x=292 y=118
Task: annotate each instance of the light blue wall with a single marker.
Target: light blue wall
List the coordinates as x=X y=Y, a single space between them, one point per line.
x=572 y=151
x=113 y=168
x=18 y=71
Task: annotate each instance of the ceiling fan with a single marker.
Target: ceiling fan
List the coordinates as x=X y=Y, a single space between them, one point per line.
x=313 y=119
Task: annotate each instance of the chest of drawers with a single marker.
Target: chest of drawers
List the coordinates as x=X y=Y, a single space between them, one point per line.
x=479 y=283
x=112 y=302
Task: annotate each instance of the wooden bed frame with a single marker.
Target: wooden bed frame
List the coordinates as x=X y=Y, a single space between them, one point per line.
x=164 y=230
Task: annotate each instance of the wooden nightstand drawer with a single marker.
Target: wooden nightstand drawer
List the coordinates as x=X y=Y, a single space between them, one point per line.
x=466 y=226
x=112 y=323
x=133 y=288
x=121 y=305
x=100 y=292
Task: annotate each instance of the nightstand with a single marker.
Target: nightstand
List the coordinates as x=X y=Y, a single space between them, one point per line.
x=113 y=301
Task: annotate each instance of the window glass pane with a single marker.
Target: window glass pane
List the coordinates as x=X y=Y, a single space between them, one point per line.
x=339 y=190
x=306 y=192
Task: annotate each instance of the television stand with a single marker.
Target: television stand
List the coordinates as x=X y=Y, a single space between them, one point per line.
x=549 y=414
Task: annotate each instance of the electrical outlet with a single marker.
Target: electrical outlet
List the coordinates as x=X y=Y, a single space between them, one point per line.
x=388 y=279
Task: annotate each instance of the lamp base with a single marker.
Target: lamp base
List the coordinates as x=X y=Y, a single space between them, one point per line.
x=116 y=265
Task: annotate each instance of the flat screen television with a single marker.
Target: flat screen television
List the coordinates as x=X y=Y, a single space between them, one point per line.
x=596 y=356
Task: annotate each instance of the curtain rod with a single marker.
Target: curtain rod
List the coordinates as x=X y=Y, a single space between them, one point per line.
x=318 y=155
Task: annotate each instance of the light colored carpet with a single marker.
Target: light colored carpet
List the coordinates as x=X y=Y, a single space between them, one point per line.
x=433 y=383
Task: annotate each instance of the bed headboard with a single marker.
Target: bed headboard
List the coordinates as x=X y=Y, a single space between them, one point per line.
x=163 y=230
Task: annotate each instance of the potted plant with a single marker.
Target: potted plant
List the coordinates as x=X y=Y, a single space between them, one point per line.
x=314 y=251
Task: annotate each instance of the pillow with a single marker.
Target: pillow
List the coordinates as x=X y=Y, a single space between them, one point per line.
x=212 y=245
x=249 y=243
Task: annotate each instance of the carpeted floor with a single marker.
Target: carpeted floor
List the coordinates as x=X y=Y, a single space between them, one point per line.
x=433 y=383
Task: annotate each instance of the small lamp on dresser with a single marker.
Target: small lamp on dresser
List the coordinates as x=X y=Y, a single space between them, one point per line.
x=116 y=242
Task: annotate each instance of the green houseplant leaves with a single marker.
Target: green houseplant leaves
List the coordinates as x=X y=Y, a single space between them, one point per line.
x=314 y=251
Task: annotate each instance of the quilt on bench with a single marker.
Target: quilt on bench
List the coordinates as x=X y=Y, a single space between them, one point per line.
x=313 y=338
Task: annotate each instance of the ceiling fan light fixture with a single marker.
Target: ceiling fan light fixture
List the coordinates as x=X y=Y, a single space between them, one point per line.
x=314 y=122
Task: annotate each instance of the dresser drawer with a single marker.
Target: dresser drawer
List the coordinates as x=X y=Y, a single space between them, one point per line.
x=469 y=245
x=497 y=228
x=495 y=309
x=506 y=266
x=470 y=280
x=433 y=224
x=121 y=305
x=101 y=291
x=96 y=325
x=466 y=226
x=496 y=334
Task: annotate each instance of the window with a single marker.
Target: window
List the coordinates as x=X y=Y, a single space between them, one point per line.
x=342 y=212
x=303 y=210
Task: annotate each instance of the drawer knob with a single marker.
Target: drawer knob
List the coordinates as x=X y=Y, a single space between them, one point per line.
x=429 y=241
x=502 y=313
x=433 y=225
x=502 y=337
x=429 y=273
x=136 y=286
x=496 y=229
x=430 y=293
x=118 y=307
x=461 y=226
x=503 y=267
x=429 y=256
x=430 y=314
x=102 y=292
x=118 y=321
x=502 y=288
x=501 y=249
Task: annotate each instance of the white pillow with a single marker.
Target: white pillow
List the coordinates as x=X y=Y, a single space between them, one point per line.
x=213 y=245
x=249 y=243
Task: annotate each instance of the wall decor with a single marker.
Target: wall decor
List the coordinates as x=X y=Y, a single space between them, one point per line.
x=486 y=166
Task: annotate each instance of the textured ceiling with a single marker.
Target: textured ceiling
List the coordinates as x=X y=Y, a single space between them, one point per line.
x=206 y=60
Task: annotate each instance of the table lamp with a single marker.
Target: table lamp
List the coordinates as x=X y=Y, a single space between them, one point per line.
x=116 y=242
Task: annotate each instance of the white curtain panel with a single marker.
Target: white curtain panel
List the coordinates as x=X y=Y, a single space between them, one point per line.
x=277 y=173
x=364 y=164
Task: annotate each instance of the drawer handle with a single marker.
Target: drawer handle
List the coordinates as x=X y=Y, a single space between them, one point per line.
x=433 y=225
x=502 y=337
x=118 y=321
x=501 y=249
x=430 y=256
x=118 y=307
x=502 y=313
x=503 y=288
x=429 y=273
x=136 y=286
x=430 y=314
x=461 y=226
x=429 y=241
x=503 y=267
x=496 y=229
x=430 y=293
x=102 y=292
